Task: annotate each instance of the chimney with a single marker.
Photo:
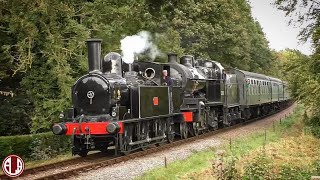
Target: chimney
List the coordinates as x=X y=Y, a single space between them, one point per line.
x=172 y=57
x=94 y=54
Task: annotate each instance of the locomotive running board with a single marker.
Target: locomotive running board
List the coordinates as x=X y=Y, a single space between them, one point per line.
x=150 y=118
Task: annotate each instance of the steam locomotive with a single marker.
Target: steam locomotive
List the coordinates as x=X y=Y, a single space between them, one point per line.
x=129 y=107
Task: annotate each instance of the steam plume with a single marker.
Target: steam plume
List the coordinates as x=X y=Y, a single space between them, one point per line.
x=137 y=44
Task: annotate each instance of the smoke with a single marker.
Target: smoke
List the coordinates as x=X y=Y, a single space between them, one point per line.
x=137 y=44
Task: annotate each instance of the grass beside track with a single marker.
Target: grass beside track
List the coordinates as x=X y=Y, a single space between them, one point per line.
x=199 y=165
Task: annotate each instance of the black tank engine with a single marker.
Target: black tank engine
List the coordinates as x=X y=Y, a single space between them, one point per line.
x=130 y=107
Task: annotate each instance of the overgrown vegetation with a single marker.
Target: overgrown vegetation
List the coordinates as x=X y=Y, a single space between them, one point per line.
x=286 y=152
x=34 y=147
x=289 y=158
x=42 y=47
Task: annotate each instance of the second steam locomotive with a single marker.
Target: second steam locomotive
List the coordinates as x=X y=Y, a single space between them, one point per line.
x=130 y=107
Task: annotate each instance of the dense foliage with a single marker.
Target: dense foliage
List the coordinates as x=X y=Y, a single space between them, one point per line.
x=303 y=72
x=35 y=146
x=42 y=47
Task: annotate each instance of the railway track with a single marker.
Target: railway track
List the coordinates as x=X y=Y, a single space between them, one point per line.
x=39 y=169
x=99 y=160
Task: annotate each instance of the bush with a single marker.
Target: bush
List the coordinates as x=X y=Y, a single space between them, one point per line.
x=262 y=167
x=317 y=166
x=230 y=171
x=35 y=146
x=259 y=168
x=290 y=172
x=313 y=124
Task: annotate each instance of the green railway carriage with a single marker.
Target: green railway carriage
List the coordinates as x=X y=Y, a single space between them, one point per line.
x=256 y=88
x=286 y=93
x=257 y=94
x=276 y=89
x=253 y=87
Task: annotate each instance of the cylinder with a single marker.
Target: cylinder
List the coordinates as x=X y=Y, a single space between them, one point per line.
x=94 y=54
x=172 y=57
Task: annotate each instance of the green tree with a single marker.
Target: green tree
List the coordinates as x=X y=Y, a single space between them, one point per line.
x=305 y=70
x=43 y=41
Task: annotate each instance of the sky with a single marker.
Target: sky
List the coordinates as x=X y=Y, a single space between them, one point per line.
x=275 y=26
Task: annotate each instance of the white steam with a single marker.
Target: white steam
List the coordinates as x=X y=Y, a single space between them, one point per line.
x=137 y=44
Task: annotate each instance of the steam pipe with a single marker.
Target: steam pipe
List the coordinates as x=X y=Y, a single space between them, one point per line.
x=130 y=67
x=94 y=54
